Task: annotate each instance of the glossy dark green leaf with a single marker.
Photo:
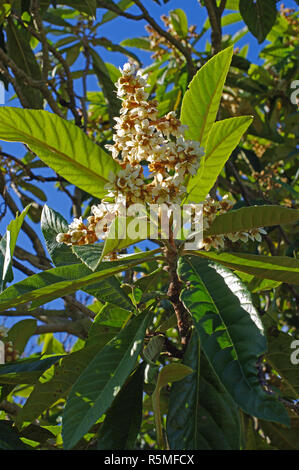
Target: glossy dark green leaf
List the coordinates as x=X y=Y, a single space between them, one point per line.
x=89 y=254
x=252 y=217
x=110 y=15
x=19 y=50
x=101 y=381
x=231 y=333
x=277 y=268
x=53 y=223
x=56 y=282
x=57 y=385
x=106 y=83
x=259 y=16
x=201 y=414
x=123 y=420
x=21 y=332
x=9 y=438
x=25 y=371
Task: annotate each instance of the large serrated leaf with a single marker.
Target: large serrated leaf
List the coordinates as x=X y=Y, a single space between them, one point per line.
x=247 y=218
x=61 y=145
x=201 y=414
x=56 y=282
x=25 y=371
x=89 y=254
x=277 y=268
x=20 y=51
x=231 y=334
x=100 y=382
x=259 y=15
x=123 y=420
x=172 y=372
x=65 y=373
x=53 y=223
x=107 y=290
x=223 y=138
x=201 y=101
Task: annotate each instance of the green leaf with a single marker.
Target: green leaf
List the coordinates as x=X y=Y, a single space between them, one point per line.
x=63 y=375
x=100 y=382
x=280 y=436
x=25 y=371
x=53 y=223
x=247 y=218
x=256 y=284
x=106 y=83
x=123 y=420
x=19 y=50
x=89 y=254
x=179 y=22
x=201 y=414
x=278 y=355
x=224 y=137
x=56 y=282
x=201 y=101
x=123 y=232
x=259 y=15
x=139 y=43
x=7 y=247
x=20 y=333
x=110 y=46
x=61 y=145
x=110 y=15
x=35 y=190
x=109 y=290
x=170 y=373
x=109 y=315
x=277 y=268
x=9 y=438
x=231 y=334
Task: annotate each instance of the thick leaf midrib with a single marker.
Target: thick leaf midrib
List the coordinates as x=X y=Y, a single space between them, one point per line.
x=227 y=136
x=64 y=284
x=115 y=371
x=207 y=156
x=226 y=329
x=51 y=149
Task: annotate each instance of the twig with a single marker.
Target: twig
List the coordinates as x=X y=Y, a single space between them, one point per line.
x=175 y=42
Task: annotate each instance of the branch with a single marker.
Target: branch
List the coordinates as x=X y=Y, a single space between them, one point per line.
x=176 y=43
x=38 y=84
x=59 y=57
x=214 y=14
x=113 y=7
x=174 y=291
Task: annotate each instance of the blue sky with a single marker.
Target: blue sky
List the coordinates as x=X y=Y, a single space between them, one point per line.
x=117 y=30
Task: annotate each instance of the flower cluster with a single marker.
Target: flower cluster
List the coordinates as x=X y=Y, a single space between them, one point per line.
x=142 y=138
x=160 y=45
x=211 y=209
x=155 y=163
